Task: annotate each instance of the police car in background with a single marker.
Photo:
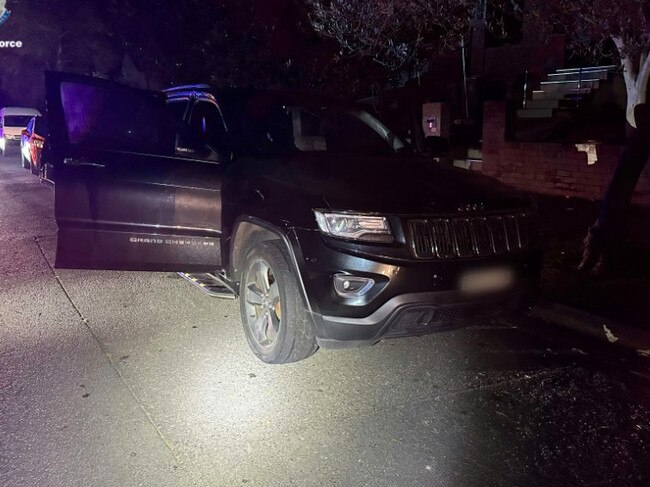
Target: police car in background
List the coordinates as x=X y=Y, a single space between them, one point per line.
x=13 y=120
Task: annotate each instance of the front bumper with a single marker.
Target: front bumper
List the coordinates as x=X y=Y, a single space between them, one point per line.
x=418 y=314
x=410 y=297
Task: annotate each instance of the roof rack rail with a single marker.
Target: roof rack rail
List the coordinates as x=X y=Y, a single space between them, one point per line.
x=200 y=86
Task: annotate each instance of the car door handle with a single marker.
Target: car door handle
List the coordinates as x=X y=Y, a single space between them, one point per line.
x=77 y=162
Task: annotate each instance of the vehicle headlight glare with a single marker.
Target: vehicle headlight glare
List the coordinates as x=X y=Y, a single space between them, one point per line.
x=355 y=226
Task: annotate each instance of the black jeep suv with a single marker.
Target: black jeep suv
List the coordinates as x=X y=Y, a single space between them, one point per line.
x=328 y=228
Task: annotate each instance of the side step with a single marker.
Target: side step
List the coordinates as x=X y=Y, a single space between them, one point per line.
x=213 y=285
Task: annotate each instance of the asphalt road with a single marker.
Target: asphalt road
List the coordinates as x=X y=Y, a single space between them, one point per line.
x=125 y=379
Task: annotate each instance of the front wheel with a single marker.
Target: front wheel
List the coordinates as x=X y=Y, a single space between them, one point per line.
x=273 y=314
x=23 y=160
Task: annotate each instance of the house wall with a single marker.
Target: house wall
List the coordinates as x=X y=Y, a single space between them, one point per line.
x=549 y=168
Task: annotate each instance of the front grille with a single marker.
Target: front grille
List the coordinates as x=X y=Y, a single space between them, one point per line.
x=460 y=237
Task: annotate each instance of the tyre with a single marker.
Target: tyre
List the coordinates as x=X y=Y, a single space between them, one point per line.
x=275 y=321
x=24 y=161
x=34 y=167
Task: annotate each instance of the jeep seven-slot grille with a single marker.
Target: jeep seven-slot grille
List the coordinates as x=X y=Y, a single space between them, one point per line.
x=447 y=238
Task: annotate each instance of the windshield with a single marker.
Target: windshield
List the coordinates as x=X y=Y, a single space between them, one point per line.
x=277 y=129
x=17 y=120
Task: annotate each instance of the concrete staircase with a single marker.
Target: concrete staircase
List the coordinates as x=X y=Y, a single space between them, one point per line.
x=563 y=89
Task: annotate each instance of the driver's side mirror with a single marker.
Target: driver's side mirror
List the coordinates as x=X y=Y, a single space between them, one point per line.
x=24 y=133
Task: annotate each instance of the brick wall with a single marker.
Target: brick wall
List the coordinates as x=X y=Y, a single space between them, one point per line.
x=547 y=167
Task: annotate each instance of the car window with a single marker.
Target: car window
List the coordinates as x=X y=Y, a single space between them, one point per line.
x=177 y=108
x=335 y=130
x=271 y=128
x=117 y=119
x=30 y=126
x=207 y=124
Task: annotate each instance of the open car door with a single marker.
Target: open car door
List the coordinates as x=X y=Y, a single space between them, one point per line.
x=127 y=197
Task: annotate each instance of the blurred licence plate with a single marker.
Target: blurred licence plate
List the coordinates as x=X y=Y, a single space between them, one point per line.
x=495 y=279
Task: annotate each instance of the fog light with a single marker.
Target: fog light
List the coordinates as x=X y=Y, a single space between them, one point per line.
x=352 y=286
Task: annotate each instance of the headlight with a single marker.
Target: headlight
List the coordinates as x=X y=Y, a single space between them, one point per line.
x=354 y=227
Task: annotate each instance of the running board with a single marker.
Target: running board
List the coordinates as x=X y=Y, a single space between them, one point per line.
x=213 y=285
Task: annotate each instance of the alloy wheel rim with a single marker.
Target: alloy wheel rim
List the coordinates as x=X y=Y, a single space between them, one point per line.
x=262 y=304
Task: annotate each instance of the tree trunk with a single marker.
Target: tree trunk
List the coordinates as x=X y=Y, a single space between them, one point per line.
x=636 y=81
x=611 y=221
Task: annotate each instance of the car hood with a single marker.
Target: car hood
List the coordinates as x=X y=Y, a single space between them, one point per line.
x=397 y=185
